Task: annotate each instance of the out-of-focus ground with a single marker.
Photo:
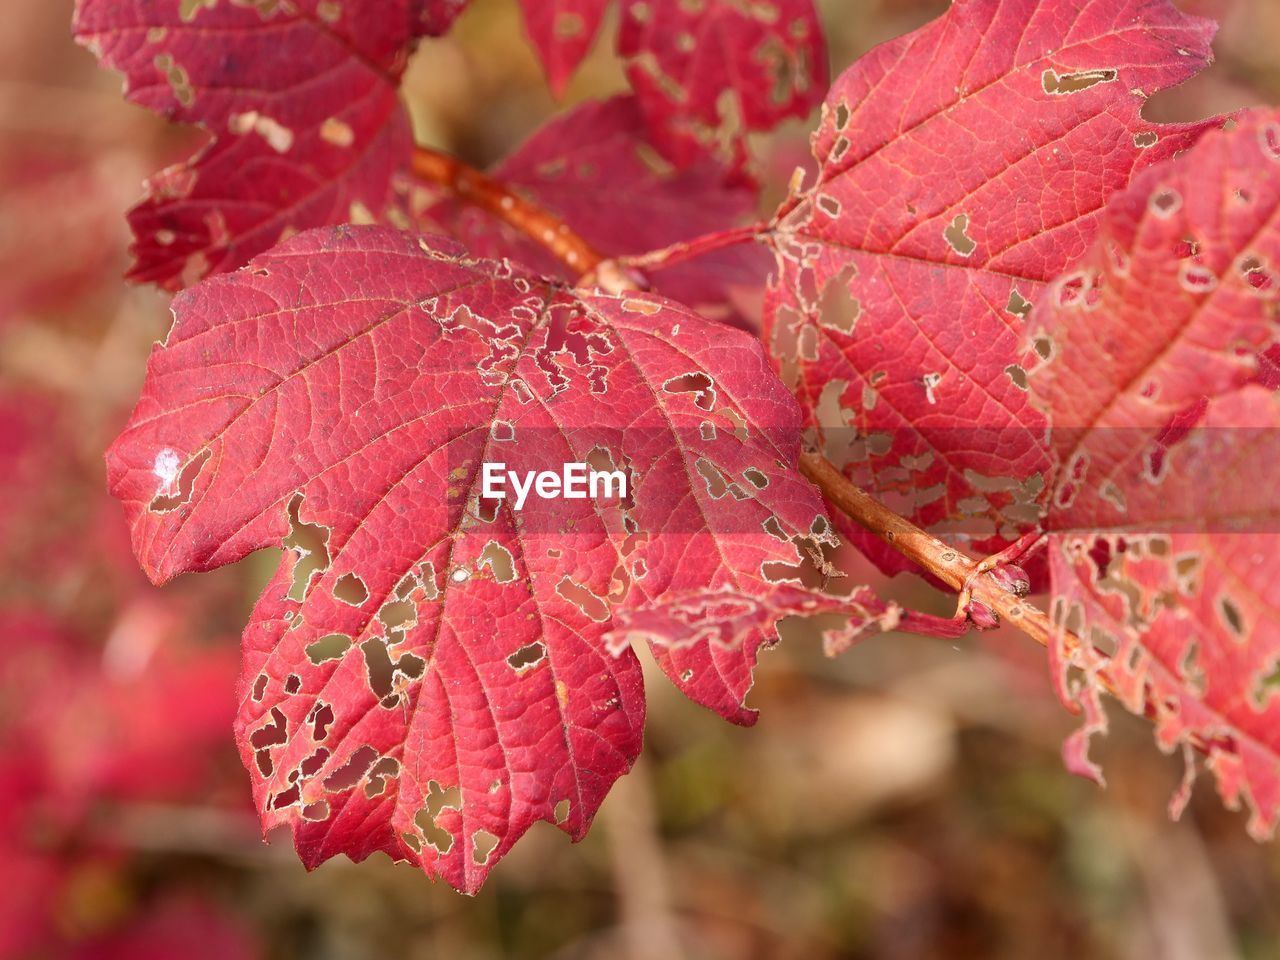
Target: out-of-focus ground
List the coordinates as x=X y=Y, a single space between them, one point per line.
x=905 y=801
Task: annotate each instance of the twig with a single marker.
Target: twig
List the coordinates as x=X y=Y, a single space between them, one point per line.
x=697 y=247
x=542 y=227
x=951 y=566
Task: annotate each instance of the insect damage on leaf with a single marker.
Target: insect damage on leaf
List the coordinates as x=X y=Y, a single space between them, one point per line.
x=420 y=629
x=1162 y=515
x=300 y=101
x=904 y=271
x=705 y=74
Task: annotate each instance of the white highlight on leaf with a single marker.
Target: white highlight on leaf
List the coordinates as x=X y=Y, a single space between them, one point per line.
x=166 y=468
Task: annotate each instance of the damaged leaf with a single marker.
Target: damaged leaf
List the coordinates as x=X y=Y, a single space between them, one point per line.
x=299 y=99
x=361 y=379
x=705 y=74
x=1162 y=521
x=961 y=168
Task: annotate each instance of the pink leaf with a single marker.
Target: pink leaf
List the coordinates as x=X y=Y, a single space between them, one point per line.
x=707 y=74
x=562 y=31
x=427 y=672
x=300 y=102
x=1162 y=519
x=962 y=167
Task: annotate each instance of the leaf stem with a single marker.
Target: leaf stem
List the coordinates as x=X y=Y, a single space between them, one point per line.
x=697 y=247
x=480 y=190
x=953 y=567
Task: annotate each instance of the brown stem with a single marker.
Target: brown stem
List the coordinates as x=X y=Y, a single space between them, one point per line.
x=955 y=569
x=945 y=562
x=471 y=186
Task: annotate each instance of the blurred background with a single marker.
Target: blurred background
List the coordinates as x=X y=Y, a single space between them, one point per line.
x=904 y=801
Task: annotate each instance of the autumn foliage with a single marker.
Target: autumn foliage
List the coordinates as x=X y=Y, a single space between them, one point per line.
x=1007 y=316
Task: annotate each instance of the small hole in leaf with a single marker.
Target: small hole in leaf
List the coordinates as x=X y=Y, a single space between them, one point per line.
x=697 y=383
x=1165 y=203
x=272 y=733
x=350 y=589
x=330 y=647
x=1231 y=616
x=316 y=811
x=528 y=656
x=482 y=845
x=583 y=599
x=388 y=768
x=314 y=763
x=351 y=772
x=320 y=718
x=287 y=798
x=185 y=481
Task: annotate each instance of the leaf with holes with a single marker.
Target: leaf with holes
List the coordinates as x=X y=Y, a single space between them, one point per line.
x=705 y=74
x=961 y=168
x=573 y=167
x=1162 y=523
x=300 y=101
x=427 y=673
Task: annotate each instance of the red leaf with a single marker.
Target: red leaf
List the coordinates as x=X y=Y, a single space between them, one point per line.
x=573 y=167
x=427 y=674
x=299 y=98
x=1163 y=514
x=962 y=167
x=705 y=74
x=562 y=31
x=709 y=73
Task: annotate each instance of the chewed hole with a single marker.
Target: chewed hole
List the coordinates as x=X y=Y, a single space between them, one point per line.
x=842 y=115
x=1231 y=616
x=699 y=384
x=499 y=561
x=350 y=589
x=316 y=811
x=1063 y=84
x=1255 y=273
x=320 y=718
x=1164 y=203
x=583 y=599
x=482 y=845
x=330 y=647
x=183 y=483
x=527 y=657
x=958 y=238
x=1197 y=279
x=352 y=772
